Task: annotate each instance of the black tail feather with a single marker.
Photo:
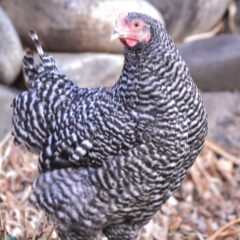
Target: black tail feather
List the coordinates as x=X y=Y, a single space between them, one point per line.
x=33 y=70
x=36 y=43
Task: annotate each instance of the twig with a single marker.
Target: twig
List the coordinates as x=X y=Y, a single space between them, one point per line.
x=5 y=140
x=50 y=234
x=2 y=143
x=201 y=169
x=223 y=228
x=38 y=225
x=217 y=149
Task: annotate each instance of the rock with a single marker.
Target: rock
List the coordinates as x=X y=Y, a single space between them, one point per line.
x=11 y=52
x=214 y=62
x=90 y=69
x=74 y=25
x=223 y=110
x=186 y=17
x=6 y=98
x=234 y=16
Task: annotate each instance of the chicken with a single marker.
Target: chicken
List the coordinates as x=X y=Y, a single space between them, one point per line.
x=110 y=157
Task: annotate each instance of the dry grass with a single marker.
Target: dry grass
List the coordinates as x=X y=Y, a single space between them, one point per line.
x=206 y=207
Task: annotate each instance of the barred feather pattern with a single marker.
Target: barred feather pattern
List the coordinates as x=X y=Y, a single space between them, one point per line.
x=110 y=157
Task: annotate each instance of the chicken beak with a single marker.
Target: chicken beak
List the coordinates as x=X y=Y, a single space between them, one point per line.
x=117 y=34
x=120 y=30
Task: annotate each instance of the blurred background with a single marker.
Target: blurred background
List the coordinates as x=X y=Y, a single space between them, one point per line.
x=77 y=33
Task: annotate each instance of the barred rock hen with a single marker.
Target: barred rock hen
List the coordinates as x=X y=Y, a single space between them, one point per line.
x=110 y=157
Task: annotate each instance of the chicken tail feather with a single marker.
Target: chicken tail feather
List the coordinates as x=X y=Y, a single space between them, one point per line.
x=33 y=70
x=36 y=43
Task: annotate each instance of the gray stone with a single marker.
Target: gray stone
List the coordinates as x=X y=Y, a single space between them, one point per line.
x=214 y=62
x=74 y=25
x=11 y=52
x=90 y=69
x=223 y=110
x=186 y=17
x=6 y=98
x=234 y=16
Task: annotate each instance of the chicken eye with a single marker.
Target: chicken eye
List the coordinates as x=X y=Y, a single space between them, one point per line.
x=137 y=24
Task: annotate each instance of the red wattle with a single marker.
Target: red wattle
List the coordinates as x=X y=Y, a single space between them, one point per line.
x=131 y=42
x=128 y=42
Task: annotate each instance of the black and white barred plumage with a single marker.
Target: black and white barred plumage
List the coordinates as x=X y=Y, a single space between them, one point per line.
x=110 y=157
